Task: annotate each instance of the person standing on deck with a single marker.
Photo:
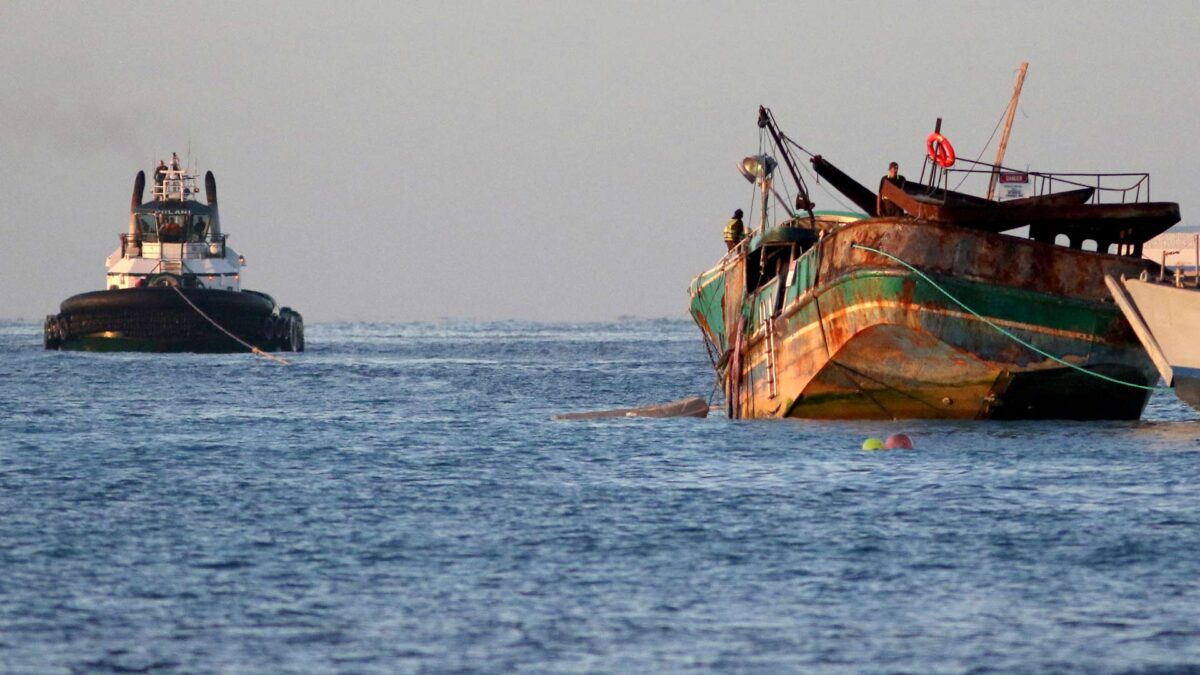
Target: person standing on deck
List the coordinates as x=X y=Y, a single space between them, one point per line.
x=884 y=207
x=159 y=172
x=735 y=231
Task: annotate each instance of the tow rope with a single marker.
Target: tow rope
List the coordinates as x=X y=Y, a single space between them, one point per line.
x=247 y=345
x=1001 y=330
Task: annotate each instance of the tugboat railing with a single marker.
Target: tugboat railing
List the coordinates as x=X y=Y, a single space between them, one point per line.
x=208 y=241
x=173 y=185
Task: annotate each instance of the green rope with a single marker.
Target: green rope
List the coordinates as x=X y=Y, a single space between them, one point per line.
x=1004 y=332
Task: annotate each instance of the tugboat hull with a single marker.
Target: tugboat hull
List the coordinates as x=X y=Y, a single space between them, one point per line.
x=157 y=319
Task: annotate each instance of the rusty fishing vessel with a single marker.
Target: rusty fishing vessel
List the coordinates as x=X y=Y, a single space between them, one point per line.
x=174 y=284
x=927 y=304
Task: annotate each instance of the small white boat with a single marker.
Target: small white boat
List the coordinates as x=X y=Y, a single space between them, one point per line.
x=1166 y=317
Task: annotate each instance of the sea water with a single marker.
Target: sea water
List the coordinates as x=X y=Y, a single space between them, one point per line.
x=397 y=499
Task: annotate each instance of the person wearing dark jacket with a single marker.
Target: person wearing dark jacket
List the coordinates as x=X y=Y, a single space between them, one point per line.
x=884 y=207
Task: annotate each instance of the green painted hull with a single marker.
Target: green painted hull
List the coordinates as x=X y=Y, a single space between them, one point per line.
x=115 y=342
x=852 y=335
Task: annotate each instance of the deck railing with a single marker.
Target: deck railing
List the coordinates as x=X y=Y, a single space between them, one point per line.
x=1110 y=188
x=152 y=238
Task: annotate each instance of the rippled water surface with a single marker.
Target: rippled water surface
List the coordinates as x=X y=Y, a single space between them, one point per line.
x=398 y=500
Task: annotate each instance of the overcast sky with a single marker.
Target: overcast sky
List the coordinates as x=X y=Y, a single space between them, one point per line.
x=528 y=160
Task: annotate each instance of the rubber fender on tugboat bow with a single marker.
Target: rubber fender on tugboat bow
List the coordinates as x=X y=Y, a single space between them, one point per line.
x=163 y=280
x=145 y=299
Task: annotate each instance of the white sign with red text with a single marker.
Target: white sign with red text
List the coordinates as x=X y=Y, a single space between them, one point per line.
x=1013 y=185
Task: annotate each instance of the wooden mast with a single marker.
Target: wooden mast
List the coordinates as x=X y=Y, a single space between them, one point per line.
x=1008 y=120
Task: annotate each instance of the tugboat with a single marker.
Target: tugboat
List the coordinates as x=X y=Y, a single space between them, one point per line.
x=174 y=285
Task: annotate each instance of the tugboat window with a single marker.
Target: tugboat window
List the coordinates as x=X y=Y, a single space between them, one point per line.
x=147 y=226
x=173 y=229
x=199 y=228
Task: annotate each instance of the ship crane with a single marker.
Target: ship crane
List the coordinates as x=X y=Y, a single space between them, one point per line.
x=766 y=120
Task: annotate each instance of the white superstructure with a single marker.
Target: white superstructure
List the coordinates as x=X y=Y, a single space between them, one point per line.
x=174 y=239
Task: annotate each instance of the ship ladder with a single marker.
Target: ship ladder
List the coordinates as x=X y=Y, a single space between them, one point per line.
x=770 y=343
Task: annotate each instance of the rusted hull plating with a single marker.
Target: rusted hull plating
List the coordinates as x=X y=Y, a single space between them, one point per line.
x=854 y=335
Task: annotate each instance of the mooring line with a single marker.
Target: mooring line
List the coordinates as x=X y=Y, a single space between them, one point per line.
x=1004 y=332
x=247 y=345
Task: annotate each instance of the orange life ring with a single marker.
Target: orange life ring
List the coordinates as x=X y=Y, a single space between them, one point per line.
x=940 y=150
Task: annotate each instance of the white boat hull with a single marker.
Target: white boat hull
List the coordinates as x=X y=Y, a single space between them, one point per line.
x=1167 y=321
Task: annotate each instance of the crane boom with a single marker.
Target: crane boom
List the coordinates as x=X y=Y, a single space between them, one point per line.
x=766 y=120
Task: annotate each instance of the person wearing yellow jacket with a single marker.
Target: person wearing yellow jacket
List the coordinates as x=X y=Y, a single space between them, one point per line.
x=735 y=231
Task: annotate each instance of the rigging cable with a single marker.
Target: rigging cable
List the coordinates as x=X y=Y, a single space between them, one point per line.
x=834 y=197
x=782 y=183
x=794 y=144
x=985 y=147
x=750 y=215
x=815 y=177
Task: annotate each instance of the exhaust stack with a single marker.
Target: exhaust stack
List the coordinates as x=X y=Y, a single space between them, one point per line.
x=139 y=187
x=210 y=191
